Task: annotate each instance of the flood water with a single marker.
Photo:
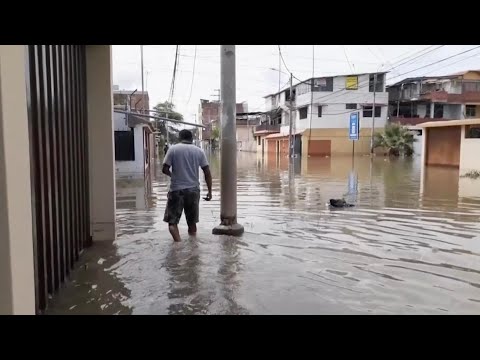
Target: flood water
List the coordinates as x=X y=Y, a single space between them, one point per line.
x=407 y=247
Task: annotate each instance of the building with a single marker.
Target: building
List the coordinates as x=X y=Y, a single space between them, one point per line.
x=134 y=146
x=322 y=108
x=413 y=101
x=133 y=100
x=57 y=177
x=209 y=113
x=246 y=123
x=452 y=143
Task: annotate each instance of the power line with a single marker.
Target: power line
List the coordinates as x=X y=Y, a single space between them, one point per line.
x=193 y=75
x=346 y=57
x=410 y=60
x=436 y=62
x=172 y=86
x=455 y=62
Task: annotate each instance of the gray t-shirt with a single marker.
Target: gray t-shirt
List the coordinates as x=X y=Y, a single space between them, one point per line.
x=185 y=159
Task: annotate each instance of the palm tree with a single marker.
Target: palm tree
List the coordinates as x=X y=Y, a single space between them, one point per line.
x=397 y=139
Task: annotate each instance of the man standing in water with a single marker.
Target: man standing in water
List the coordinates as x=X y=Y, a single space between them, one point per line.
x=184 y=159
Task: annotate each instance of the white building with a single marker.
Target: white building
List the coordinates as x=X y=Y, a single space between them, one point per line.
x=134 y=146
x=321 y=122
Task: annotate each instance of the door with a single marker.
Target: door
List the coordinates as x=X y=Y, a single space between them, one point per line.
x=319 y=147
x=443 y=146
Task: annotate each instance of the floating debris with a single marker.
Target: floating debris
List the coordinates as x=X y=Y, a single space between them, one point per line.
x=101 y=261
x=72 y=307
x=94 y=287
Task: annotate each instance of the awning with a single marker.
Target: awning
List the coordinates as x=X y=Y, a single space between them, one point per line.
x=276 y=136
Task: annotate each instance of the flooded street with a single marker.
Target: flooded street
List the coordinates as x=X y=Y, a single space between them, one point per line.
x=407 y=247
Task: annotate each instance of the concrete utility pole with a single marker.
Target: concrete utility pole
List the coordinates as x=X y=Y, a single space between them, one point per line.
x=228 y=177
x=143 y=89
x=290 y=129
x=373 y=112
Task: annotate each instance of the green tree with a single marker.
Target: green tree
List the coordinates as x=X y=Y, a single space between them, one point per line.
x=396 y=138
x=163 y=109
x=215 y=137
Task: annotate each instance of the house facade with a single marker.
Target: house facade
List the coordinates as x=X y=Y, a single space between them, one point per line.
x=132 y=99
x=414 y=101
x=321 y=114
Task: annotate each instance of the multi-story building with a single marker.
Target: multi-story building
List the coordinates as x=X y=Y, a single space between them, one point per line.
x=321 y=114
x=452 y=97
x=209 y=113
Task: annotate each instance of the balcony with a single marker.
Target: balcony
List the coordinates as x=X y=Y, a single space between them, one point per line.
x=268 y=128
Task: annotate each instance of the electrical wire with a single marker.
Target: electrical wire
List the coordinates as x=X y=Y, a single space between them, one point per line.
x=193 y=75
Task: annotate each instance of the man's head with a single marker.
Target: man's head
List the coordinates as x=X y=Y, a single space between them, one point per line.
x=185 y=136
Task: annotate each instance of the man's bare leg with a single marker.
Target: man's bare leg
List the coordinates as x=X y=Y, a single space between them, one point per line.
x=192 y=229
x=173 y=228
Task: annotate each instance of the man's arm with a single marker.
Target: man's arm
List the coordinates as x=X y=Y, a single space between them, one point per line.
x=166 y=170
x=208 y=180
x=167 y=163
x=207 y=173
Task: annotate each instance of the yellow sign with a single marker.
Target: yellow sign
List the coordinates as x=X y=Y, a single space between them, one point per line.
x=351 y=83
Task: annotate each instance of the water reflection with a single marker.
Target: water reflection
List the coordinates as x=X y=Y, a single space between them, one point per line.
x=410 y=245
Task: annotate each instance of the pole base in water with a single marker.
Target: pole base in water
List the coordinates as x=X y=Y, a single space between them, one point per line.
x=231 y=230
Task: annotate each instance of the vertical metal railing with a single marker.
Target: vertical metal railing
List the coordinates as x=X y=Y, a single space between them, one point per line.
x=58 y=138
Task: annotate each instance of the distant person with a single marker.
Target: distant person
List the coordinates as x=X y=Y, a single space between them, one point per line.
x=181 y=163
x=165 y=149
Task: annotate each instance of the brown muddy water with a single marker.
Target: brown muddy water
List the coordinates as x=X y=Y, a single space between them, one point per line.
x=409 y=246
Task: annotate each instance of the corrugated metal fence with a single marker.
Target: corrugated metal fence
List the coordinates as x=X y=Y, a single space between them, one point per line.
x=59 y=157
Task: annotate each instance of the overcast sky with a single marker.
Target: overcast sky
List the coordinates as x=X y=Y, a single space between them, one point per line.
x=255 y=78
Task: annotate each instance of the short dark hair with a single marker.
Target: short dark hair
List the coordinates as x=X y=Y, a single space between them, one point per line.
x=185 y=135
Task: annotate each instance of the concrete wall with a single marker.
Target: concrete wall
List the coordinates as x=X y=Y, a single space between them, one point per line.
x=340 y=143
x=101 y=141
x=469 y=154
x=245 y=138
x=17 y=278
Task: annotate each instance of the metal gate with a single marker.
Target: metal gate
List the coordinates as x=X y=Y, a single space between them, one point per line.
x=56 y=95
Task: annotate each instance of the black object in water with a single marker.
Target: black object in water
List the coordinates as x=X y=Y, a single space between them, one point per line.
x=339 y=203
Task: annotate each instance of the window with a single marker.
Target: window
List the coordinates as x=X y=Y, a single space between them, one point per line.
x=472 y=132
x=303 y=112
x=351 y=106
x=438 y=111
x=379 y=82
x=124 y=146
x=323 y=84
x=470 y=110
x=367 y=111
x=303 y=88
x=287 y=95
x=259 y=140
x=320 y=111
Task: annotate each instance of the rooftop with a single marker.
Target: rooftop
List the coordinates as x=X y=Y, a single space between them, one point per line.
x=324 y=77
x=450 y=123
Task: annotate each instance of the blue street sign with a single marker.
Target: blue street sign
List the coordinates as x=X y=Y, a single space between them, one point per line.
x=354 y=126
